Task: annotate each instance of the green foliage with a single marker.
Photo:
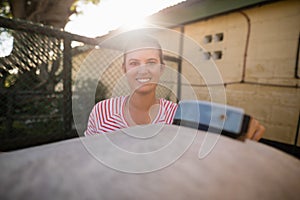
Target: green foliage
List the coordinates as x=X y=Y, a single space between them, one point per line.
x=38 y=121
x=25 y=81
x=85 y=86
x=101 y=92
x=37 y=118
x=10 y=80
x=91 y=1
x=25 y=135
x=76 y=4
x=5 y=9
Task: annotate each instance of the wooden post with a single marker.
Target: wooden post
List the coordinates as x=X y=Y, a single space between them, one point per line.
x=67 y=87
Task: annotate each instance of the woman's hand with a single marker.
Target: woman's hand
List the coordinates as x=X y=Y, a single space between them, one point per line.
x=255 y=130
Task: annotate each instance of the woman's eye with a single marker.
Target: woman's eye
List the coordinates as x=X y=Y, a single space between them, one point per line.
x=133 y=63
x=151 y=63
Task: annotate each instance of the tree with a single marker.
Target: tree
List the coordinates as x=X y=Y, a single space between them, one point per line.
x=54 y=13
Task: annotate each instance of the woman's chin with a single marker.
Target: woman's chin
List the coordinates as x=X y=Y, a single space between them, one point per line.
x=145 y=89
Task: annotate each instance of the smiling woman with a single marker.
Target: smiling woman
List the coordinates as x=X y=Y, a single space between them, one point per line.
x=143 y=66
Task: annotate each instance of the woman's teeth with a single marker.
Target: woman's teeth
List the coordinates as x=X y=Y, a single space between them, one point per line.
x=143 y=80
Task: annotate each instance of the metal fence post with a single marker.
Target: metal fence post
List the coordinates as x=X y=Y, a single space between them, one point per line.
x=67 y=87
x=180 y=63
x=9 y=114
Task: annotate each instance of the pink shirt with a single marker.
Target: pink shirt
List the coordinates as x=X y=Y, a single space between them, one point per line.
x=108 y=115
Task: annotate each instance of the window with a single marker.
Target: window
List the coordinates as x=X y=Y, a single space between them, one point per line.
x=207 y=39
x=218 y=37
x=217 y=55
x=206 y=55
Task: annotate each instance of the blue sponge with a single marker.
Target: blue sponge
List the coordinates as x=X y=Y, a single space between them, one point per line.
x=212 y=117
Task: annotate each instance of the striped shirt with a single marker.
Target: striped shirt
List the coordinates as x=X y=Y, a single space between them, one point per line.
x=108 y=115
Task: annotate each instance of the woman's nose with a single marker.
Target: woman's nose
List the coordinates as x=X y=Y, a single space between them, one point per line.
x=142 y=69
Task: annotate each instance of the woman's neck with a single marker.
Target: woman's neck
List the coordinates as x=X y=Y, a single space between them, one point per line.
x=142 y=102
x=141 y=108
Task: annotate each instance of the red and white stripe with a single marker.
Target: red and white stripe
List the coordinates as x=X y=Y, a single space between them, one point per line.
x=108 y=116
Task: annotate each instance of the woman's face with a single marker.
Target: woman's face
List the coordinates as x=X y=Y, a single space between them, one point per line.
x=143 y=69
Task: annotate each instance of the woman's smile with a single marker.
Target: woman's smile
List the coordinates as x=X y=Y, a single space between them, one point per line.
x=143 y=80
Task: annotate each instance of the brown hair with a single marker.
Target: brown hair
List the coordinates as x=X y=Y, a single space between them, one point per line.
x=142 y=41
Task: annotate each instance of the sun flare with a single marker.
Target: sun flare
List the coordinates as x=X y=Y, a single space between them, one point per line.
x=110 y=15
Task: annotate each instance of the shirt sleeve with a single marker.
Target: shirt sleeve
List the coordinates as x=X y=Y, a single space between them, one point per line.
x=92 y=123
x=170 y=109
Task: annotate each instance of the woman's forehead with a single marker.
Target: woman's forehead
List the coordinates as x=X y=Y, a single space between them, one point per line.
x=143 y=53
x=141 y=41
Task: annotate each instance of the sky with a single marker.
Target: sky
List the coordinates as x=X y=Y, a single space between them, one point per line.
x=108 y=15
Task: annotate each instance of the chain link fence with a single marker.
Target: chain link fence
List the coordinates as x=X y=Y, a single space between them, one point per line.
x=38 y=69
